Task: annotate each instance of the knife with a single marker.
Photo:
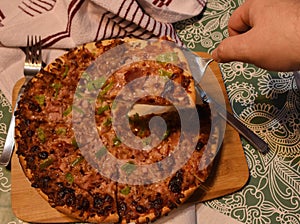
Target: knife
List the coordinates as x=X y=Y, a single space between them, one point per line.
x=203 y=83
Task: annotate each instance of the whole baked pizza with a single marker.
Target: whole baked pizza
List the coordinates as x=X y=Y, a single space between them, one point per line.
x=137 y=168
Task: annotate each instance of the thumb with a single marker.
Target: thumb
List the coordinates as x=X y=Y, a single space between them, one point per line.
x=234 y=48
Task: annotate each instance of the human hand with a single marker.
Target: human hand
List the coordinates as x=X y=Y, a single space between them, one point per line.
x=265 y=33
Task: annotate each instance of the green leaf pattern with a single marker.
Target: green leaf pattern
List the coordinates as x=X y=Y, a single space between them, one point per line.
x=268 y=104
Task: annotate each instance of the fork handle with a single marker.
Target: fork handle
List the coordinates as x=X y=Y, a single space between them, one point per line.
x=9 y=143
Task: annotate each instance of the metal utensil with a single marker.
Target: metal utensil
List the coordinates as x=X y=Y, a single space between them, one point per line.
x=33 y=64
x=200 y=65
x=253 y=139
x=211 y=97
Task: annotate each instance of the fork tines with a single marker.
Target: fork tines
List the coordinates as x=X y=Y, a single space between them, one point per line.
x=33 y=49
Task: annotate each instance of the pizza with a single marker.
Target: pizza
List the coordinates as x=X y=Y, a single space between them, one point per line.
x=138 y=173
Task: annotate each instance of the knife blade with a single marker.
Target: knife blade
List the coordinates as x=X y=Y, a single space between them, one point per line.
x=206 y=88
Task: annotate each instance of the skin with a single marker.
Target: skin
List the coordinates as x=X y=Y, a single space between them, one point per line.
x=265 y=33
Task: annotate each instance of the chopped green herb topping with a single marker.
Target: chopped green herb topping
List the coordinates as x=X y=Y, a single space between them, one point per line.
x=93 y=84
x=40 y=99
x=41 y=135
x=101 y=152
x=74 y=143
x=128 y=167
x=167 y=57
x=106 y=89
x=102 y=109
x=66 y=71
x=98 y=83
x=57 y=87
x=77 y=161
x=86 y=76
x=125 y=190
x=116 y=141
x=69 y=177
x=61 y=131
x=165 y=73
x=146 y=141
x=107 y=122
x=166 y=134
x=45 y=163
x=67 y=111
x=78 y=109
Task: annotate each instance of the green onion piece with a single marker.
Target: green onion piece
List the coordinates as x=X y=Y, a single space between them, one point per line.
x=40 y=99
x=41 y=135
x=86 y=76
x=90 y=86
x=106 y=88
x=69 y=177
x=114 y=105
x=67 y=111
x=125 y=190
x=98 y=83
x=165 y=73
x=146 y=141
x=116 y=141
x=167 y=57
x=128 y=167
x=166 y=134
x=78 y=109
x=45 y=163
x=102 y=109
x=78 y=95
x=74 y=143
x=77 y=161
x=57 y=87
x=61 y=131
x=95 y=84
x=107 y=122
x=101 y=152
x=66 y=71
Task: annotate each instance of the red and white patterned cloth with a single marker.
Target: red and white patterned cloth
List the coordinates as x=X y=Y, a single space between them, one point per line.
x=64 y=24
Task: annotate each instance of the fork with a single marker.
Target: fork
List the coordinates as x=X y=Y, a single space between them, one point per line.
x=33 y=64
x=248 y=134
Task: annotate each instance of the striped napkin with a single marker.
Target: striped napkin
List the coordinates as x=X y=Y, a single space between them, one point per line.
x=65 y=24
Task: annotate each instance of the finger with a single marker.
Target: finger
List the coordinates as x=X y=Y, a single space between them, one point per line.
x=234 y=48
x=239 y=21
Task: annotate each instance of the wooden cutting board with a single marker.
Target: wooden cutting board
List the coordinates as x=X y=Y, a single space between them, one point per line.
x=230 y=173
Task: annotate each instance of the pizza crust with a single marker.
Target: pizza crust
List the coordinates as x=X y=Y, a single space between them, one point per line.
x=29 y=116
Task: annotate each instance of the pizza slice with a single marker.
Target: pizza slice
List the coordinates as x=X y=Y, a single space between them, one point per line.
x=75 y=181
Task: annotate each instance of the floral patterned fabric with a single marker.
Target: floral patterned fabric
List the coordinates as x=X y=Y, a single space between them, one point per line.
x=267 y=102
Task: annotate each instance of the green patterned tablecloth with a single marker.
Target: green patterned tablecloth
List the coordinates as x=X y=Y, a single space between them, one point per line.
x=267 y=102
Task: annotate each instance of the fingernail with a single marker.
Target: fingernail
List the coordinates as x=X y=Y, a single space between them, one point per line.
x=215 y=55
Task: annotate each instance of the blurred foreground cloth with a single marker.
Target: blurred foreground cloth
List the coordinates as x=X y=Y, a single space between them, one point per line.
x=66 y=24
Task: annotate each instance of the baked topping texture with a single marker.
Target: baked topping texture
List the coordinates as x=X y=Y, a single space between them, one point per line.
x=51 y=156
